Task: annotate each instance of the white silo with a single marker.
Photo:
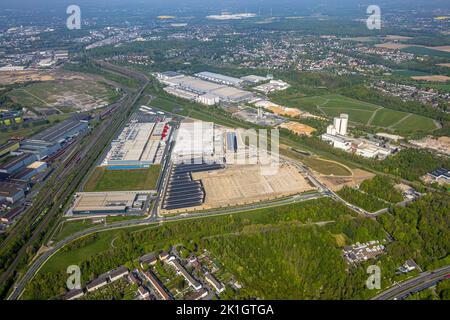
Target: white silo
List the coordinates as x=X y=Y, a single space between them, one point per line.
x=337 y=124
x=331 y=129
x=344 y=124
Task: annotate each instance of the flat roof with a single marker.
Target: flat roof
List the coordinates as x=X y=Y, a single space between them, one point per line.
x=195 y=84
x=253 y=78
x=231 y=93
x=36 y=165
x=101 y=201
x=440 y=172
x=219 y=77
x=61 y=130
x=16 y=160
x=194 y=137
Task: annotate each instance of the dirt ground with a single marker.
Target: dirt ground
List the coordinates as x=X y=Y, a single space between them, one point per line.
x=283 y=111
x=11 y=77
x=442 y=144
x=298 y=128
x=337 y=183
x=437 y=78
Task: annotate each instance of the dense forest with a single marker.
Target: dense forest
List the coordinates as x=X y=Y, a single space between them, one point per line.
x=421 y=231
x=383 y=188
x=366 y=201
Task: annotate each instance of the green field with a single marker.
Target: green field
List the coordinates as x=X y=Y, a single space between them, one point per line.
x=123 y=180
x=359 y=112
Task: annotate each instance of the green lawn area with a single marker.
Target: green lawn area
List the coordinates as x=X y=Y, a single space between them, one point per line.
x=416 y=122
x=94 y=244
x=326 y=167
x=359 y=111
x=123 y=180
x=387 y=117
x=363 y=200
x=71 y=227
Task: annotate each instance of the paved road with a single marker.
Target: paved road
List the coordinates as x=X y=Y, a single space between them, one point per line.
x=421 y=282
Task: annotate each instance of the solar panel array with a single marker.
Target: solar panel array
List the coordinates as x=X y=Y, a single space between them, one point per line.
x=182 y=190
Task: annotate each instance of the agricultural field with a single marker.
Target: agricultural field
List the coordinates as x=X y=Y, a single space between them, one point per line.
x=122 y=180
x=360 y=112
x=64 y=95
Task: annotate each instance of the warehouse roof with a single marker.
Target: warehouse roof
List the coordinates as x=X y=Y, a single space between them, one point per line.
x=219 y=77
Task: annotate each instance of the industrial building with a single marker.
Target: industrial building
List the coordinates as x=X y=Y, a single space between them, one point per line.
x=169 y=75
x=337 y=136
x=181 y=93
x=16 y=163
x=440 y=175
x=137 y=145
x=230 y=94
x=207 y=88
x=26 y=174
x=9 y=147
x=12 y=192
x=196 y=140
x=193 y=84
x=110 y=203
x=208 y=99
x=272 y=86
x=64 y=130
x=49 y=141
x=219 y=78
x=339 y=126
x=254 y=79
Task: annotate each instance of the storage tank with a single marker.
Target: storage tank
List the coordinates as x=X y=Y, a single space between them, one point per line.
x=337 y=124
x=344 y=124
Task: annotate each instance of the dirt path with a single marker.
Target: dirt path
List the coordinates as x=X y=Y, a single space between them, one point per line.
x=369 y=122
x=400 y=121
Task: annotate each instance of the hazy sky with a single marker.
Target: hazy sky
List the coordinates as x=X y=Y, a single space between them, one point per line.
x=281 y=6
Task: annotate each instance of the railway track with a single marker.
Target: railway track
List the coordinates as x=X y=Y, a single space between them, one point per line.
x=30 y=231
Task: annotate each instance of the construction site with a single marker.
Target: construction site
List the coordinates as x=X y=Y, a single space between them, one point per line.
x=221 y=170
